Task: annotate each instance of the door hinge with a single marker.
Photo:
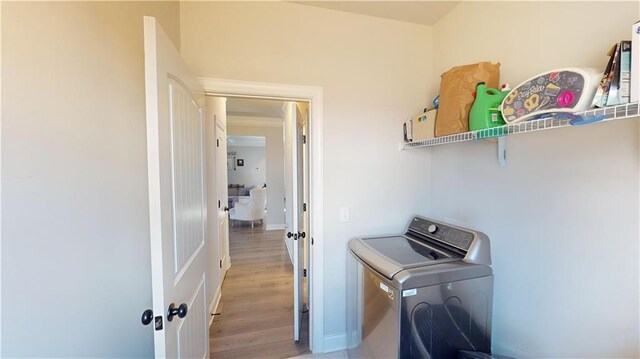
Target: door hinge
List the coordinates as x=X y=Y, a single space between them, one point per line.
x=304 y=207
x=218 y=203
x=217 y=142
x=311 y=240
x=304 y=272
x=221 y=263
x=304 y=139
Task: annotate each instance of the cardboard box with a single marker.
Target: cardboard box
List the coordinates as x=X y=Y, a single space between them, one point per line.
x=406 y=129
x=424 y=125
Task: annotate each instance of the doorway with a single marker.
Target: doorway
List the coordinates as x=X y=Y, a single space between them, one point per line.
x=174 y=97
x=247 y=179
x=314 y=96
x=264 y=304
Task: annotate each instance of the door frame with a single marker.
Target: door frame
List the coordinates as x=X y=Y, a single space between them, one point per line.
x=313 y=95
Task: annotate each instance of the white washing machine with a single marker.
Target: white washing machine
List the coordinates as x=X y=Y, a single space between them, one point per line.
x=427 y=293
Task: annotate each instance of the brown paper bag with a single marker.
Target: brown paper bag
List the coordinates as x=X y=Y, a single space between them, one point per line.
x=456 y=95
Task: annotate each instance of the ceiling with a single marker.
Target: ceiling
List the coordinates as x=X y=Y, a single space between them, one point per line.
x=253 y=107
x=417 y=12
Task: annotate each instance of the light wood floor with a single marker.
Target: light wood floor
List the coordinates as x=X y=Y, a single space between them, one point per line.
x=256 y=308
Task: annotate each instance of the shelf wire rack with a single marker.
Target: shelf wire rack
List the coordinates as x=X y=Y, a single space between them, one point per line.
x=618 y=112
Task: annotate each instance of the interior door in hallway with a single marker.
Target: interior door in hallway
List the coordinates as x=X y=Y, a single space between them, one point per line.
x=302 y=209
x=304 y=219
x=177 y=203
x=216 y=197
x=222 y=183
x=294 y=210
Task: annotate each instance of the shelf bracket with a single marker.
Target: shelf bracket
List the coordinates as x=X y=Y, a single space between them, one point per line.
x=502 y=151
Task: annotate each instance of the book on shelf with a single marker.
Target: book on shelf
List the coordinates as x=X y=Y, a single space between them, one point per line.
x=625 y=72
x=635 y=63
x=614 y=80
x=600 y=98
x=616 y=84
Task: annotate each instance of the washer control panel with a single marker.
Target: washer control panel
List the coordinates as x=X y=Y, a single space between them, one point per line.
x=455 y=237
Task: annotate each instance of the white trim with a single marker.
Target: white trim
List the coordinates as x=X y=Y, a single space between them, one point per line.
x=289 y=249
x=222 y=87
x=213 y=307
x=275 y=227
x=254 y=121
x=353 y=341
x=335 y=342
x=237 y=88
x=226 y=264
x=0 y=176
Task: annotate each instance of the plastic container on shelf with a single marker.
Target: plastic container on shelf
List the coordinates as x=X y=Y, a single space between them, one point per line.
x=485 y=112
x=565 y=90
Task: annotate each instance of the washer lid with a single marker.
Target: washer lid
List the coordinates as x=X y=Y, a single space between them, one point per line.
x=405 y=251
x=390 y=255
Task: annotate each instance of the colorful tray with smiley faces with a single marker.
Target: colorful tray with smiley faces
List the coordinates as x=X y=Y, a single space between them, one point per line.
x=565 y=90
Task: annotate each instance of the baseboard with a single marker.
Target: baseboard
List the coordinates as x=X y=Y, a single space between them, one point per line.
x=289 y=249
x=354 y=340
x=275 y=227
x=226 y=268
x=335 y=342
x=226 y=264
x=213 y=307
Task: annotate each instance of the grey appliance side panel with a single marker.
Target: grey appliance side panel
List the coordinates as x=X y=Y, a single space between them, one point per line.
x=439 y=320
x=480 y=250
x=381 y=320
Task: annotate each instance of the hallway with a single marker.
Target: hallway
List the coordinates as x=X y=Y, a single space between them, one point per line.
x=256 y=308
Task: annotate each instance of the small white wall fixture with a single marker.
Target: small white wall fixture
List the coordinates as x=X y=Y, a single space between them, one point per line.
x=313 y=95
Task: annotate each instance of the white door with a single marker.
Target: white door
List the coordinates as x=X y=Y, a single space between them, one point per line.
x=300 y=246
x=177 y=202
x=304 y=220
x=293 y=137
x=222 y=182
x=218 y=237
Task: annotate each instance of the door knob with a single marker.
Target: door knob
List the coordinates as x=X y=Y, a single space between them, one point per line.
x=302 y=234
x=147 y=317
x=180 y=311
x=289 y=234
x=226 y=209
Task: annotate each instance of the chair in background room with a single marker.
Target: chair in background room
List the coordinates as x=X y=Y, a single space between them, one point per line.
x=253 y=209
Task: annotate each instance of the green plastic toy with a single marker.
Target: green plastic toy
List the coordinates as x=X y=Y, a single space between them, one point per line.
x=484 y=112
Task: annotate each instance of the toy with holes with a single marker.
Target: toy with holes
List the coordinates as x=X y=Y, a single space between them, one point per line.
x=565 y=90
x=485 y=112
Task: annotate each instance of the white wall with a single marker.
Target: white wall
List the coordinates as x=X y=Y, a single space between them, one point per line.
x=374 y=73
x=241 y=126
x=74 y=153
x=563 y=215
x=75 y=232
x=254 y=171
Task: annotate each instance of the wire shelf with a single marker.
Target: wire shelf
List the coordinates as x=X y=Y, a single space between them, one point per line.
x=611 y=113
